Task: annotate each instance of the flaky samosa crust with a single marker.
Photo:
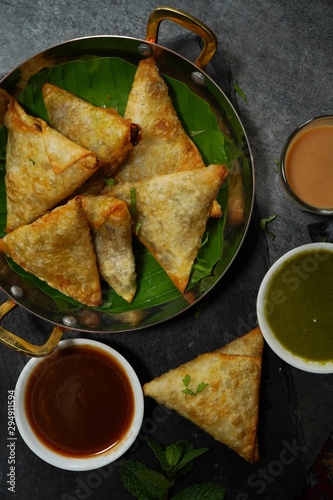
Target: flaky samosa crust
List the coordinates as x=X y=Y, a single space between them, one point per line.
x=228 y=407
x=42 y=167
x=110 y=221
x=251 y=344
x=165 y=147
x=101 y=130
x=57 y=248
x=172 y=212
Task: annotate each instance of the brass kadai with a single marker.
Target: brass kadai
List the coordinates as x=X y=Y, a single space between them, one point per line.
x=191 y=74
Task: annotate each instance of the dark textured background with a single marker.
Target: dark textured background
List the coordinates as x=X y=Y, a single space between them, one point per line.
x=280 y=53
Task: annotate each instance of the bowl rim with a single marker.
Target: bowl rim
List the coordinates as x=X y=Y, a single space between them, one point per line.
x=282 y=167
x=79 y=463
x=276 y=346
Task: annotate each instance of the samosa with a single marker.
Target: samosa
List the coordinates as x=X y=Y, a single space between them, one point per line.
x=43 y=167
x=165 y=146
x=171 y=213
x=57 y=248
x=218 y=391
x=101 y=130
x=110 y=221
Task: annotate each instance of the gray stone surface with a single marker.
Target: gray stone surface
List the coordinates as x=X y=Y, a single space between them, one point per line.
x=281 y=55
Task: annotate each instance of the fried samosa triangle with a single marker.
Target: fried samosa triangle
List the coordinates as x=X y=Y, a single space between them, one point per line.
x=250 y=344
x=57 y=248
x=171 y=213
x=228 y=406
x=101 y=130
x=42 y=167
x=110 y=221
x=165 y=147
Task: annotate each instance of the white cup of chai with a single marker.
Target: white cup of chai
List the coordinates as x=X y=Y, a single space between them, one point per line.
x=80 y=408
x=306 y=166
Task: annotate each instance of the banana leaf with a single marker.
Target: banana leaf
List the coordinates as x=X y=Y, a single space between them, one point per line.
x=106 y=81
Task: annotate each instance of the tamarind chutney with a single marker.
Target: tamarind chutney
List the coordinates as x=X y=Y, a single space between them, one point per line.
x=79 y=401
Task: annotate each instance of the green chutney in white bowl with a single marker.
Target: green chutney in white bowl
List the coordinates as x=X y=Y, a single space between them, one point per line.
x=295 y=307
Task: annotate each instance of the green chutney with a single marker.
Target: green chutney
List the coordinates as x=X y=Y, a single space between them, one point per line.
x=299 y=305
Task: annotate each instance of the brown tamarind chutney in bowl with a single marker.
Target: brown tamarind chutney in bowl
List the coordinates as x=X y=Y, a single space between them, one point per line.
x=81 y=407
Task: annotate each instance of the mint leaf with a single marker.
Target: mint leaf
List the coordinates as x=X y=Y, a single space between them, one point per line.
x=186 y=445
x=186 y=380
x=182 y=471
x=142 y=482
x=159 y=452
x=176 y=460
x=173 y=454
x=155 y=479
x=190 y=456
x=208 y=491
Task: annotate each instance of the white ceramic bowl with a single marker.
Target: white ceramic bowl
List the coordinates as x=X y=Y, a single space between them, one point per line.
x=264 y=303
x=85 y=463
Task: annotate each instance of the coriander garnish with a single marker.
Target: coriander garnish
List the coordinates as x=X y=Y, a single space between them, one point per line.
x=190 y=392
x=240 y=92
x=109 y=181
x=263 y=225
x=133 y=202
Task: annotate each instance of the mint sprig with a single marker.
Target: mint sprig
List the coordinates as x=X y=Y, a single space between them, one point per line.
x=142 y=482
x=175 y=461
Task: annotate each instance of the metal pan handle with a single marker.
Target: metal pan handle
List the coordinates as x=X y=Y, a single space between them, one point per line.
x=18 y=344
x=189 y=22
